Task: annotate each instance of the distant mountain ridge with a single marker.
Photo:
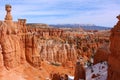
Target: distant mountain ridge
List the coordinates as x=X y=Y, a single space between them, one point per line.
x=40 y=25
x=84 y=26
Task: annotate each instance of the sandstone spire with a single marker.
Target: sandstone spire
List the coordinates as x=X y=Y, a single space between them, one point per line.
x=8 y=17
x=114 y=57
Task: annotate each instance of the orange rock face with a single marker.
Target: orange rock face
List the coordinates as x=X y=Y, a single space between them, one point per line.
x=114 y=57
x=10 y=48
x=32 y=51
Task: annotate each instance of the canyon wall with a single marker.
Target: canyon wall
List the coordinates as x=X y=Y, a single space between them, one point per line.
x=22 y=45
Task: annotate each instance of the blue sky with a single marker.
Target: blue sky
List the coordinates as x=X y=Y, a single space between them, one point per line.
x=98 y=12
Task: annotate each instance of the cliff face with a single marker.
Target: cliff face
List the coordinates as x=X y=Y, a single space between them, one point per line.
x=114 y=57
x=32 y=51
x=57 y=52
x=48 y=50
x=11 y=48
x=13 y=63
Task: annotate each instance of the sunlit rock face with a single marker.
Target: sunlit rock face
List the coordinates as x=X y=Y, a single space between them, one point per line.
x=32 y=50
x=58 y=53
x=114 y=57
x=12 y=41
x=11 y=48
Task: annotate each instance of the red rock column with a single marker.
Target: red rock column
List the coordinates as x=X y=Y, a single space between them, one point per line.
x=114 y=57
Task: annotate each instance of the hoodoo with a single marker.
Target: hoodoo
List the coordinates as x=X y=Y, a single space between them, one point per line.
x=8 y=17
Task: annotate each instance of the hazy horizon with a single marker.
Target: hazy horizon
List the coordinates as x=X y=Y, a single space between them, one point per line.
x=98 y=12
